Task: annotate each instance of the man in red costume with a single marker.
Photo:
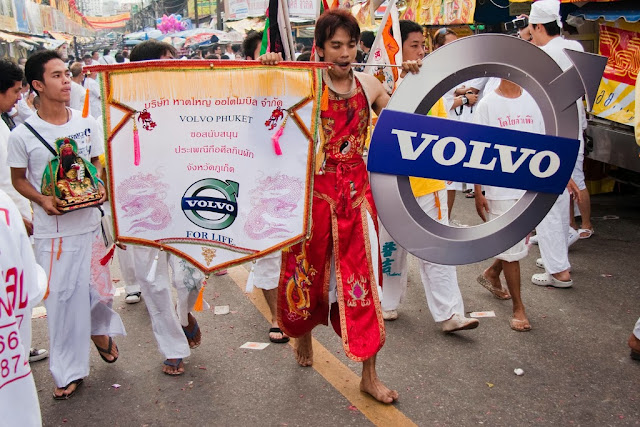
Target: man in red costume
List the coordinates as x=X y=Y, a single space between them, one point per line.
x=340 y=262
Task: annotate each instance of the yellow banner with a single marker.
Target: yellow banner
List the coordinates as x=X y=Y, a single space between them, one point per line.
x=440 y=12
x=615 y=101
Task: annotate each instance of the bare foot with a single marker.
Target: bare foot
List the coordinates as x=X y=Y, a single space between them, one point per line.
x=371 y=385
x=106 y=347
x=173 y=367
x=303 y=350
x=374 y=387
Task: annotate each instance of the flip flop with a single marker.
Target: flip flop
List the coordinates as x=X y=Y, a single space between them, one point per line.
x=77 y=382
x=107 y=351
x=282 y=340
x=635 y=355
x=587 y=231
x=191 y=335
x=176 y=365
x=514 y=323
x=488 y=286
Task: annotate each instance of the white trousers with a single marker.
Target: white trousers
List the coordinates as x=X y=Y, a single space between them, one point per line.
x=135 y=264
x=440 y=281
x=553 y=235
x=636 y=329
x=79 y=301
x=265 y=272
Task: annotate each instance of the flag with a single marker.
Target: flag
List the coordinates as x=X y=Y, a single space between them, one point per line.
x=387 y=49
x=277 y=35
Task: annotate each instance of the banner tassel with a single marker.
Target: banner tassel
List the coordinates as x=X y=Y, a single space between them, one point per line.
x=136 y=144
x=152 y=272
x=85 y=107
x=105 y=259
x=198 y=306
x=276 y=137
x=324 y=100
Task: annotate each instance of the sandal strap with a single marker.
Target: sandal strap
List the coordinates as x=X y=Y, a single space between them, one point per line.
x=175 y=364
x=108 y=349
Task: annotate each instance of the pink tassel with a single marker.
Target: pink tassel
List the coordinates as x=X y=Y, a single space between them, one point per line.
x=276 y=140
x=136 y=144
x=105 y=259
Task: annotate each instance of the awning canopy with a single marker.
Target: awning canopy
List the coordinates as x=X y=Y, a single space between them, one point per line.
x=629 y=10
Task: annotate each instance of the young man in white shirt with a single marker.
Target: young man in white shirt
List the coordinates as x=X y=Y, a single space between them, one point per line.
x=68 y=246
x=495 y=109
x=545 y=26
x=440 y=282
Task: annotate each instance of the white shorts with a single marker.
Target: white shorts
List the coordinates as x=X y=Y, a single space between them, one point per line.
x=521 y=249
x=578 y=174
x=452 y=185
x=265 y=272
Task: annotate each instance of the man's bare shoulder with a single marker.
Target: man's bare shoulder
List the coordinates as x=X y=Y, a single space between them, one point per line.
x=367 y=78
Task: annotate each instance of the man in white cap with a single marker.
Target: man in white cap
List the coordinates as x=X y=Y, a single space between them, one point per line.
x=545 y=26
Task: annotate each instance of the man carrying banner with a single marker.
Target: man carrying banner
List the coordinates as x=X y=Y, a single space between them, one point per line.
x=340 y=262
x=68 y=246
x=146 y=271
x=440 y=282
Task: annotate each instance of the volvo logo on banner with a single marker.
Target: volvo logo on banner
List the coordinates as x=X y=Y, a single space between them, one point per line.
x=465 y=152
x=204 y=207
x=407 y=143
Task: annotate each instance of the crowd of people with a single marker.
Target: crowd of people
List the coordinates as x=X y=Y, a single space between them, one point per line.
x=42 y=102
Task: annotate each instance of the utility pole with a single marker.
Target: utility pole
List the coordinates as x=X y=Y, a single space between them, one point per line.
x=195 y=2
x=219 y=22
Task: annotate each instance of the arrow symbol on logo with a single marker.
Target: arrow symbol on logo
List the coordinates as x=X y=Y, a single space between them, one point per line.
x=583 y=78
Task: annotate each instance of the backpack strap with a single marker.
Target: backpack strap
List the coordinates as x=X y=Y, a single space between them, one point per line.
x=37 y=135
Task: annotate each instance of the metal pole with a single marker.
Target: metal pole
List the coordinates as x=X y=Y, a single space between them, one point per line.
x=219 y=23
x=195 y=2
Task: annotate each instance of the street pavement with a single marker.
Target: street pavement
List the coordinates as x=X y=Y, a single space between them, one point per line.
x=576 y=364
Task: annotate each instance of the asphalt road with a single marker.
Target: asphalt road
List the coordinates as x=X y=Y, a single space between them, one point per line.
x=577 y=369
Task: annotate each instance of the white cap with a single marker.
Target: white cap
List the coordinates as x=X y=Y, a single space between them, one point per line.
x=545 y=11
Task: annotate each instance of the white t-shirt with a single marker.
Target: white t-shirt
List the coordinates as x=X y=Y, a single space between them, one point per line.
x=24 y=111
x=520 y=114
x=18 y=278
x=26 y=151
x=77 y=96
x=554 y=48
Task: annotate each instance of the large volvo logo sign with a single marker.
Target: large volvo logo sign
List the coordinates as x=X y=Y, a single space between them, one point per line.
x=405 y=143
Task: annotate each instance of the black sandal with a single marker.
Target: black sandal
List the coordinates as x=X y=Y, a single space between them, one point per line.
x=77 y=383
x=107 y=351
x=284 y=339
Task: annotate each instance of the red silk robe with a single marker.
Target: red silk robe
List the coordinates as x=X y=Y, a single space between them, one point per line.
x=342 y=201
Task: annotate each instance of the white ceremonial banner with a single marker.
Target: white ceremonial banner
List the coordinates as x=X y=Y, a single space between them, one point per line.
x=303 y=8
x=387 y=49
x=192 y=162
